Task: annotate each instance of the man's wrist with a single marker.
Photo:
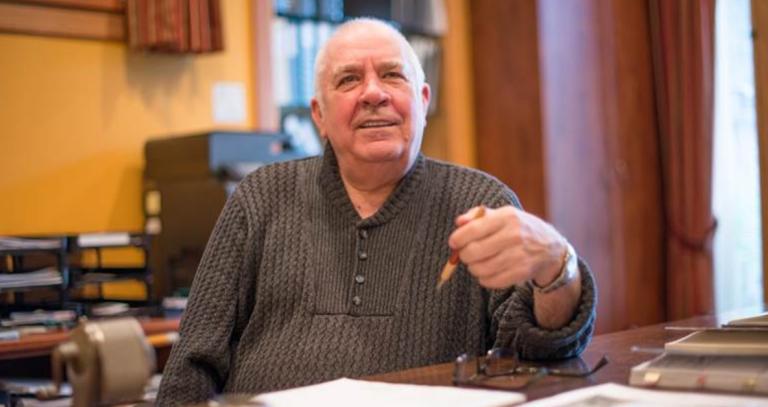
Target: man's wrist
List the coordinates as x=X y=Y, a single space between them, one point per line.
x=569 y=267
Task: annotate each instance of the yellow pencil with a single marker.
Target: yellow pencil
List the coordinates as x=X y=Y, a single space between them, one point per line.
x=453 y=260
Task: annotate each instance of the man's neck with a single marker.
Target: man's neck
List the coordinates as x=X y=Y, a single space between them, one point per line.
x=369 y=186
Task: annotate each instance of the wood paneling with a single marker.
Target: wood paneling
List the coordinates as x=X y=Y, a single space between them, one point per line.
x=507 y=107
x=760 y=27
x=265 y=109
x=61 y=22
x=567 y=104
x=636 y=165
x=115 y=6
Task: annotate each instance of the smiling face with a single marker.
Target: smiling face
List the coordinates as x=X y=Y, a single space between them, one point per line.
x=371 y=105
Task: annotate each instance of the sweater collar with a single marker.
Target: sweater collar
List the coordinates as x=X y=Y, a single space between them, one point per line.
x=333 y=190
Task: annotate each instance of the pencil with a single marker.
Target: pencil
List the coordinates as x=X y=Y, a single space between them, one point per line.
x=453 y=260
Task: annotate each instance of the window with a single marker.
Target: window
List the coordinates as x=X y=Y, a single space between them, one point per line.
x=736 y=189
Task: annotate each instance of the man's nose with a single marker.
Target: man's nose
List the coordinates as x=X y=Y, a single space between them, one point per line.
x=374 y=93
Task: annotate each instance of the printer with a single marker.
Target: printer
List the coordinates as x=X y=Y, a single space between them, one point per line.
x=187 y=180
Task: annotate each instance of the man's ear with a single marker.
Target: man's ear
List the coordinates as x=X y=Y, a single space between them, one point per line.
x=317 y=116
x=426 y=95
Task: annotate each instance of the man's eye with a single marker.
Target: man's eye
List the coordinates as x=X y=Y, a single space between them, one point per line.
x=394 y=75
x=346 y=80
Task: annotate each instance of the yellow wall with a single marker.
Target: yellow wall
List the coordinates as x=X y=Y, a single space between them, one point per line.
x=74 y=116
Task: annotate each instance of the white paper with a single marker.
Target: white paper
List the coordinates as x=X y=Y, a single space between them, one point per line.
x=613 y=395
x=85 y=240
x=228 y=99
x=355 y=393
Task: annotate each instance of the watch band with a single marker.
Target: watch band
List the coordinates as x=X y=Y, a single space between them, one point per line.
x=567 y=272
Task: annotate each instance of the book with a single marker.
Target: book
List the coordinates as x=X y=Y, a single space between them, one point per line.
x=742 y=374
x=757 y=321
x=728 y=359
x=721 y=342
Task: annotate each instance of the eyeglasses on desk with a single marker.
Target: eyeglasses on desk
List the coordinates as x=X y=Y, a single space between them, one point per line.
x=502 y=362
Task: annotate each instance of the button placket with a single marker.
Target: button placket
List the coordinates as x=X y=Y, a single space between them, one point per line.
x=359 y=276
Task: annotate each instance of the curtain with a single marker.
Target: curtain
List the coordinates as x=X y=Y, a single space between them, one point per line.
x=683 y=46
x=174 y=26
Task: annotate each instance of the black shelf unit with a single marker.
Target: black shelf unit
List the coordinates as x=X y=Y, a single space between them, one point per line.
x=23 y=258
x=100 y=273
x=30 y=264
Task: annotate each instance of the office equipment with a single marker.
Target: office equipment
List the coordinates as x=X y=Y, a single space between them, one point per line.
x=187 y=180
x=107 y=362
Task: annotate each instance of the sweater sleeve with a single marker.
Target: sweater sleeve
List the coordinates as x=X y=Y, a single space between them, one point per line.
x=199 y=363
x=515 y=326
x=513 y=323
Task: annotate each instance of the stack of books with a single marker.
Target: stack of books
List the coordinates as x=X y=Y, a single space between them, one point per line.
x=731 y=358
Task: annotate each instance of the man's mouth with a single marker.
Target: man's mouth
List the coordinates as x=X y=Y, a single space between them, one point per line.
x=369 y=124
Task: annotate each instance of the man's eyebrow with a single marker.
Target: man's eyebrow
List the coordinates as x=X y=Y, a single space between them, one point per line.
x=345 y=69
x=387 y=65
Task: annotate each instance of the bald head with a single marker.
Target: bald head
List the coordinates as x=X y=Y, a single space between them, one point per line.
x=360 y=26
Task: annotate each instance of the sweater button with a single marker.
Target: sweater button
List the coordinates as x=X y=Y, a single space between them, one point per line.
x=359 y=279
x=357 y=300
x=363 y=234
x=362 y=255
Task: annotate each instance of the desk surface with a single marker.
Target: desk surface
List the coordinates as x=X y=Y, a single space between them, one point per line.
x=30 y=356
x=42 y=344
x=617 y=346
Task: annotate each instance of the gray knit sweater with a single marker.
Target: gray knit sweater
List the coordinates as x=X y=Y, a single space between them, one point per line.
x=294 y=288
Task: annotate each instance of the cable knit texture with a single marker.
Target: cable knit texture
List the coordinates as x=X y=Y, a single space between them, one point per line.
x=295 y=288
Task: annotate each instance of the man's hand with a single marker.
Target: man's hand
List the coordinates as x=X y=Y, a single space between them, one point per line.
x=509 y=246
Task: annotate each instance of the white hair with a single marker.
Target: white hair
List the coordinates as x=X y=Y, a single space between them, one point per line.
x=363 y=23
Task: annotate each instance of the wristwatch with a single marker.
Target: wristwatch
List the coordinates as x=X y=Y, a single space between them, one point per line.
x=567 y=272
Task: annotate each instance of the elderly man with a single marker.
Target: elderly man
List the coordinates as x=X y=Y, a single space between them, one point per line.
x=327 y=267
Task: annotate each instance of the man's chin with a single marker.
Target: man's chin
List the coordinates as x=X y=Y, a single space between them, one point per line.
x=383 y=152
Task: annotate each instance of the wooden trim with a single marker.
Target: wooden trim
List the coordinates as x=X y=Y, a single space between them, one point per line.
x=265 y=111
x=61 y=22
x=458 y=111
x=760 y=44
x=114 y=6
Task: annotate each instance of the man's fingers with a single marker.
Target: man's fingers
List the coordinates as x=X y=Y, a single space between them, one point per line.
x=490 y=245
x=471 y=214
x=475 y=229
x=496 y=273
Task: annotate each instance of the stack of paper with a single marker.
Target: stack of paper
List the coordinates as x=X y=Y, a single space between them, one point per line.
x=43 y=277
x=616 y=395
x=355 y=393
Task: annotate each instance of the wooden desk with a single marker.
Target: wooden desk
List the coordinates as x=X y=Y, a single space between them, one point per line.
x=617 y=346
x=30 y=356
